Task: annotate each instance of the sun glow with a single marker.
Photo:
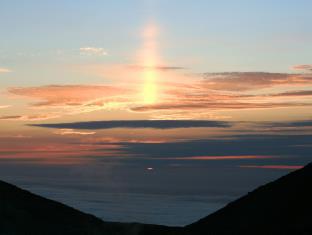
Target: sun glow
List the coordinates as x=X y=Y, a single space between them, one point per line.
x=150 y=61
x=150 y=87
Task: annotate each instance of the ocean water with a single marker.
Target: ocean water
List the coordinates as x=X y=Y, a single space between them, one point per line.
x=133 y=207
x=131 y=193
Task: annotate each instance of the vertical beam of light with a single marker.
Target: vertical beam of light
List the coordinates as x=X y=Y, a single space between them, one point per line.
x=150 y=62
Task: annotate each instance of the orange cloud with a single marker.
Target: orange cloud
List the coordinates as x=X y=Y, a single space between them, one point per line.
x=5 y=70
x=70 y=95
x=123 y=140
x=4 y=106
x=70 y=99
x=228 y=91
x=73 y=132
x=177 y=100
x=303 y=67
x=277 y=167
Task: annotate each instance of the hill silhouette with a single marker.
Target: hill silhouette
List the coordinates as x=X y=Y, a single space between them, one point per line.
x=280 y=207
x=283 y=207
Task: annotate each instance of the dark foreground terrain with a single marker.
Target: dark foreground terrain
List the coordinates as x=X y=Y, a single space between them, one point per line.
x=281 y=207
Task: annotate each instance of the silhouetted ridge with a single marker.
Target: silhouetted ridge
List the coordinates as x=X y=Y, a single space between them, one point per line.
x=281 y=207
x=22 y=212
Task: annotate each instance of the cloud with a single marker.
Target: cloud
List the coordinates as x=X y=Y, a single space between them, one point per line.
x=159 y=67
x=187 y=115
x=98 y=51
x=73 y=132
x=213 y=106
x=293 y=93
x=17 y=136
x=276 y=167
x=5 y=70
x=276 y=146
x=244 y=81
x=125 y=140
x=75 y=99
x=212 y=158
x=293 y=124
x=155 y=124
x=195 y=98
x=303 y=67
x=68 y=95
x=54 y=152
x=36 y=117
x=4 y=106
x=232 y=91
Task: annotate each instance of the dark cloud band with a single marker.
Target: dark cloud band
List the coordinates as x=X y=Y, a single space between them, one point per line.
x=155 y=124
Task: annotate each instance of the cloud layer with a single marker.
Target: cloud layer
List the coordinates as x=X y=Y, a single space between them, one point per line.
x=33 y=117
x=276 y=167
x=68 y=95
x=246 y=81
x=155 y=124
x=196 y=98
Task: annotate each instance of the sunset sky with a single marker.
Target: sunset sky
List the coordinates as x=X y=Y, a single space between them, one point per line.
x=212 y=92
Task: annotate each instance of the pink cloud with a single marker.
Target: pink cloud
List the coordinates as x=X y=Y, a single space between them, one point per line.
x=215 y=92
x=303 y=67
x=70 y=95
x=228 y=91
x=56 y=153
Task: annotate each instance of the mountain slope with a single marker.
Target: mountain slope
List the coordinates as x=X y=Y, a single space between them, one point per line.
x=22 y=212
x=281 y=207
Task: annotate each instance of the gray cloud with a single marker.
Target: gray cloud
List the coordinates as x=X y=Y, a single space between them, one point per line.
x=304 y=123
x=237 y=145
x=293 y=93
x=155 y=124
x=34 y=117
x=159 y=67
x=214 y=106
x=243 y=81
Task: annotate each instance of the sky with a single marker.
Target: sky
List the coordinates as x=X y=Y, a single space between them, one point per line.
x=138 y=101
